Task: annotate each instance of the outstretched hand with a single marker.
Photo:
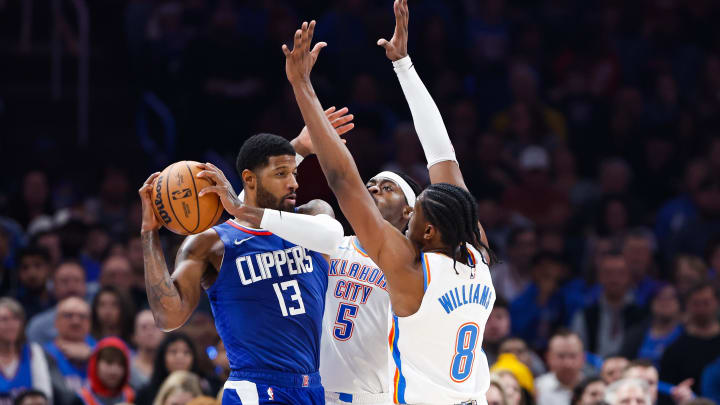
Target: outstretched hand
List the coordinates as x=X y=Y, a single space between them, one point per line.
x=396 y=48
x=300 y=60
x=340 y=120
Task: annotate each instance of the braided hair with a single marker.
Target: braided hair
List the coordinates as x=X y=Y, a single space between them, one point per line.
x=453 y=211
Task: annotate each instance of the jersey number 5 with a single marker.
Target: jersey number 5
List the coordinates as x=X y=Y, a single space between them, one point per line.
x=465 y=343
x=343 y=324
x=300 y=308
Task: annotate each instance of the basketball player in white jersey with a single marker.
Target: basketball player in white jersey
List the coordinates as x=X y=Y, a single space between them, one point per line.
x=437 y=278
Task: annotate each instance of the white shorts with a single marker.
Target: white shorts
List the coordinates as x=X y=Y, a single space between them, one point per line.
x=333 y=398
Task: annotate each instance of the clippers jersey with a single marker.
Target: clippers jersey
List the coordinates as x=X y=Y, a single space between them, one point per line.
x=268 y=301
x=354 y=355
x=437 y=352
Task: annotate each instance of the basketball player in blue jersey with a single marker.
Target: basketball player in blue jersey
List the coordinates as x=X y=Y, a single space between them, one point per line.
x=438 y=279
x=267 y=294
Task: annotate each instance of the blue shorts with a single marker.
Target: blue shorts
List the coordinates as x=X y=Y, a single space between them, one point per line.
x=261 y=387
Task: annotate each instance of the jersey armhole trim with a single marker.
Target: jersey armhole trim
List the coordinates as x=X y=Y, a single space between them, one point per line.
x=246 y=229
x=426 y=272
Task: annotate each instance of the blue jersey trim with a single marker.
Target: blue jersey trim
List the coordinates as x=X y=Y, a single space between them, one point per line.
x=277 y=378
x=426 y=271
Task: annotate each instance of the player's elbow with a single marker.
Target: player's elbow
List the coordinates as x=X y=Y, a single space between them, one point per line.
x=335 y=232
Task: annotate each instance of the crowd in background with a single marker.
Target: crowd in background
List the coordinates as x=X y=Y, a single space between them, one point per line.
x=588 y=131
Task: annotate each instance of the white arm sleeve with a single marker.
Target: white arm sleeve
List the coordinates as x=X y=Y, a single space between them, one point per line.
x=426 y=116
x=321 y=233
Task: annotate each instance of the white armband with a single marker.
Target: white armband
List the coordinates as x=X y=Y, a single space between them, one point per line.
x=321 y=233
x=427 y=119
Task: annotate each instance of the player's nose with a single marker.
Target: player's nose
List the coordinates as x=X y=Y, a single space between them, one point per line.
x=293 y=185
x=374 y=189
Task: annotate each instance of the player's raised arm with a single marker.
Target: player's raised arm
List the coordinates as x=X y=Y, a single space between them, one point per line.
x=172 y=298
x=429 y=125
x=394 y=253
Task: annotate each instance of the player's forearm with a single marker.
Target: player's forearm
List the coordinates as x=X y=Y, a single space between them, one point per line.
x=163 y=296
x=428 y=122
x=335 y=160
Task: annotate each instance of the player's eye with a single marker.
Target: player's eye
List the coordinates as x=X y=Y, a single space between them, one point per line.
x=387 y=188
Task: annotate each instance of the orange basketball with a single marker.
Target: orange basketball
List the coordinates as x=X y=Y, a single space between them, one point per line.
x=176 y=202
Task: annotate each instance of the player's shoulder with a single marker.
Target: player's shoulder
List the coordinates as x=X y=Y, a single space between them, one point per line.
x=202 y=242
x=316 y=207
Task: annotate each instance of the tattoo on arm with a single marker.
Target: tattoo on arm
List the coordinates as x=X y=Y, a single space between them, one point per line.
x=162 y=294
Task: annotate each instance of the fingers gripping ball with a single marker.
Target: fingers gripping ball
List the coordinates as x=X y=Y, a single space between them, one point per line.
x=176 y=202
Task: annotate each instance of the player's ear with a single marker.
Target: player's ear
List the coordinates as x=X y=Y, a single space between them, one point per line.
x=249 y=179
x=430 y=232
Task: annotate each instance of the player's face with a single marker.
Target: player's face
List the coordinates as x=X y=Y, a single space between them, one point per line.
x=390 y=200
x=277 y=184
x=417 y=224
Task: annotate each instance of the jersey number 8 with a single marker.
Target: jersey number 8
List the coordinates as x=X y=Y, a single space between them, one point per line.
x=465 y=343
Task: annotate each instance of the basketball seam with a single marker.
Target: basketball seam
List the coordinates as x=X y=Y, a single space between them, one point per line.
x=167 y=189
x=197 y=200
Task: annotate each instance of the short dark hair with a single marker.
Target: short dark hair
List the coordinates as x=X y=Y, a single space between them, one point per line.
x=579 y=389
x=256 y=151
x=29 y=393
x=111 y=354
x=501 y=302
x=642 y=363
x=547 y=256
x=516 y=232
x=33 y=250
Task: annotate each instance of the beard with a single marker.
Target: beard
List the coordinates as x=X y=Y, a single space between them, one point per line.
x=266 y=199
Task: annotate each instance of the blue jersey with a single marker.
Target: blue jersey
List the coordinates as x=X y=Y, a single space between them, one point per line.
x=268 y=301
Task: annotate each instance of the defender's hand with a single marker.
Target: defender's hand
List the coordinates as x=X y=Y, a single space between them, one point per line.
x=150 y=222
x=396 y=48
x=300 y=61
x=339 y=119
x=221 y=187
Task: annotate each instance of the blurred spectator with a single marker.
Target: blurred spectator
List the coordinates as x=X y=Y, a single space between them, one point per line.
x=638 y=252
x=68 y=281
x=6 y=274
x=590 y=391
x=176 y=353
x=519 y=348
x=495 y=394
x=112 y=314
x=649 y=339
x=497 y=328
x=146 y=338
x=31 y=397
x=712 y=256
x=613 y=368
x=94 y=250
x=539 y=309
x=535 y=196
x=628 y=391
x=512 y=276
x=108 y=375
x=694 y=236
x=646 y=371
x=203 y=400
x=688 y=271
x=51 y=241
x=73 y=345
x=699 y=344
x=565 y=359
x=580 y=191
x=33 y=276
x=710 y=383
x=117 y=271
x=34 y=199
x=674 y=214
x=511 y=387
x=178 y=389
x=602 y=326
x=23 y=364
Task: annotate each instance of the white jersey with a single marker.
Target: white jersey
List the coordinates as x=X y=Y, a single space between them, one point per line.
x=437 y=351
x=354 y=353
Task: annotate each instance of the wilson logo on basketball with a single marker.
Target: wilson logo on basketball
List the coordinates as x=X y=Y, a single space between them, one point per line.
x=159 y=202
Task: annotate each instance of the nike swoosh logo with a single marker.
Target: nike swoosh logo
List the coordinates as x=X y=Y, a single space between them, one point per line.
x=240 y=242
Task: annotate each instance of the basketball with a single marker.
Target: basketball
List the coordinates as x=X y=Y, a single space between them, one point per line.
x=176 y=202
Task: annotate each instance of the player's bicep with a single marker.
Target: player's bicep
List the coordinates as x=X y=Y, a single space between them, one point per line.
x=447 y=171
x=191 y=263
